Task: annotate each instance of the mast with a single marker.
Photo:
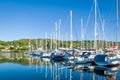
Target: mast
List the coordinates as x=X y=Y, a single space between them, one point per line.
x=56 y=25
x=40 y=43
x=117 y=23
x=95 y=29
x=66 y=40
x=59 y=31
x=51 y=41
x=82 y=34
x=54 y=41
x=36 y=44
x=29 y=47
x=71 y=45
x=62 y=40
x=103 y=25
x=46 y=40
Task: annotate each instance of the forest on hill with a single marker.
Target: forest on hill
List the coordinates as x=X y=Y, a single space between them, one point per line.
x=23 y=45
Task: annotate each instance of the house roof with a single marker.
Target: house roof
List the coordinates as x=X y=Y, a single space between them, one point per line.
x=112 y=47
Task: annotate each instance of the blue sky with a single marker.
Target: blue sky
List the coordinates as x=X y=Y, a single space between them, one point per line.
x=32 y=18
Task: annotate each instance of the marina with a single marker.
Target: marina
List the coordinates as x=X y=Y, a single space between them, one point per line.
x=82 y=44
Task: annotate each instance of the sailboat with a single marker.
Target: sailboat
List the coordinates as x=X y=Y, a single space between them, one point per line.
x=104 y=59
x=62 y=54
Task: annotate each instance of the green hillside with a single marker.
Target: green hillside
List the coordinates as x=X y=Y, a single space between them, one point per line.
x=22 y=45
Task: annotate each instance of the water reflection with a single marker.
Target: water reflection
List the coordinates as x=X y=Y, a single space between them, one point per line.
x=108 y=73
x=45 y=69
x=15 y=58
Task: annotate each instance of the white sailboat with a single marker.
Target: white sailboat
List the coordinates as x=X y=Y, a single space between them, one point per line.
x=104 y=59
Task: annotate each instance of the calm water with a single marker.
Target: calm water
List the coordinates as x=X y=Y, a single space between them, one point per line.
x=24 y=67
